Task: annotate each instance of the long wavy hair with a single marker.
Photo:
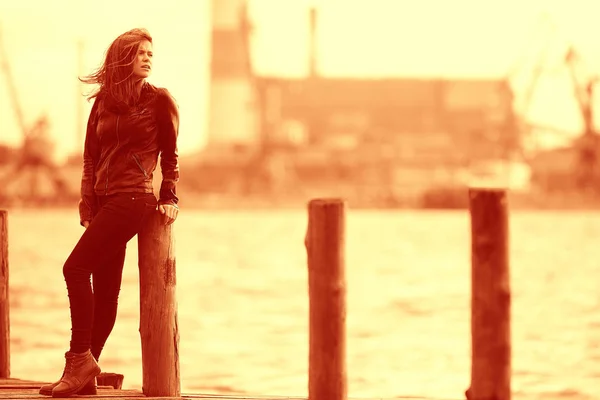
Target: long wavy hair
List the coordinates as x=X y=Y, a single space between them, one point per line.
x=115 y=76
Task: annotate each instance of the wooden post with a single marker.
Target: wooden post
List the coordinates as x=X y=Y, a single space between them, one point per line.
x=159 y=330
x=4 y=299
x=490 y=296
x=325 y=241
x=110 y=379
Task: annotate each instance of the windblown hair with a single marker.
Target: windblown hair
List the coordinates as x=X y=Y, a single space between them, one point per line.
x=114 y=76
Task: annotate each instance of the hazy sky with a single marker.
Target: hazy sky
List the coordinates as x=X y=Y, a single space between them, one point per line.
x=356 y=37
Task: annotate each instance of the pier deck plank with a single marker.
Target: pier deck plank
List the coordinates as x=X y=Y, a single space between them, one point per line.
x=22 y=389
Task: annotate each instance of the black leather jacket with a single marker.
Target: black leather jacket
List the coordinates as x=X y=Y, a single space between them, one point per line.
x=122 y=146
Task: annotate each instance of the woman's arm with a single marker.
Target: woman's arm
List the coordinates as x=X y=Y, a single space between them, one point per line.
x=168 y=131
x=88 y=203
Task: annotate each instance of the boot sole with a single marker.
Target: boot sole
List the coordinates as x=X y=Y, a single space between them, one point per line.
x=46 y=392
x=91 y=392
x=71 y=392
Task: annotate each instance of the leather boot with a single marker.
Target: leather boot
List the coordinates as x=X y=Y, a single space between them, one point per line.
x=88 y=390
x=80 y=368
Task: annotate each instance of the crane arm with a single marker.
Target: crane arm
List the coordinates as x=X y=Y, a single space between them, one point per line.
x=582 y=93
x=12 y=90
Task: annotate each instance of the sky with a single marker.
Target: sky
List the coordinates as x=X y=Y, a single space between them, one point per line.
x=377 y=38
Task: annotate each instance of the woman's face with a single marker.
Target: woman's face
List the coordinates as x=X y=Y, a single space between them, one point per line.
x=142 y=65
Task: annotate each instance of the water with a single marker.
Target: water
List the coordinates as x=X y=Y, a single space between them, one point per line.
x=243 y=303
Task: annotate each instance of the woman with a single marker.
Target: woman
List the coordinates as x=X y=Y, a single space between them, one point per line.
x=130 y=124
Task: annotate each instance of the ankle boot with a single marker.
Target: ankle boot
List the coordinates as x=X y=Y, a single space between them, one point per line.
x=80 y=369
x=46 y=390
x=88 y=390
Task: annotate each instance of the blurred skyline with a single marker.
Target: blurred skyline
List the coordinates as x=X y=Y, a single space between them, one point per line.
x=430 y=38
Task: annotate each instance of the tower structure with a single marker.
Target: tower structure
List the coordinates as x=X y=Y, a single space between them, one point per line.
x=233 y=110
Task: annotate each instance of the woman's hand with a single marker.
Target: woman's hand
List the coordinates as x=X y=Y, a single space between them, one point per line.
x=86 y=224
x=170 y=211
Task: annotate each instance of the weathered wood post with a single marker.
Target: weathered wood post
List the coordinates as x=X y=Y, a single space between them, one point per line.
x=159 y=330
x=4 y=300
x=490 y=296
x=110 y=379
x=325 y=246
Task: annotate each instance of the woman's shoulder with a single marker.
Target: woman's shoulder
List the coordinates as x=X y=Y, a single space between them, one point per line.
x=162 y=93
x=165 y=104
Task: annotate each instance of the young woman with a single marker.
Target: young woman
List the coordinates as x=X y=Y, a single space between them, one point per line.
x=131 y=123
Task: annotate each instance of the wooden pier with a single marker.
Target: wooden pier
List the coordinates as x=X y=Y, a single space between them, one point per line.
x=325 y=246
x=24 y=390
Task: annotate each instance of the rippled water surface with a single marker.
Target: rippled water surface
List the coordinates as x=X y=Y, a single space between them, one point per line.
x=243 y=303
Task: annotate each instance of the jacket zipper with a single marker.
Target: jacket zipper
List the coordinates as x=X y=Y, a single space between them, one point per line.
x=137 y=161
x=108 y=161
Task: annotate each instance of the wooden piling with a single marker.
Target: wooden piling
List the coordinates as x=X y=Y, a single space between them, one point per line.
x=4 y=298
x=159 y=330
x=490 y=296
x=325 y=245
x=110 y=379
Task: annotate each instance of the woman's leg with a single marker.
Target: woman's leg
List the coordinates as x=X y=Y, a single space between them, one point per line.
x=119 y=219
x=115 y=224
x=106 y=282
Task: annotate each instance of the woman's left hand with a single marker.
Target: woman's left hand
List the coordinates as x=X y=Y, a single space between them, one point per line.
x=170 y=212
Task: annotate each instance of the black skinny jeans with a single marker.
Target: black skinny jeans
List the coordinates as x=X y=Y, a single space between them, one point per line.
x=100 y=254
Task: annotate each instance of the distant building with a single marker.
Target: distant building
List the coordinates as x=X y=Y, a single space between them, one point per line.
x=444 y=119
x=233 y=116
x=432 y=120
